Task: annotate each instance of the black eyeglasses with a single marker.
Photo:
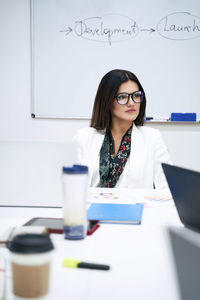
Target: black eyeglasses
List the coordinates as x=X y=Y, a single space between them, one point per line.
x=123 y=98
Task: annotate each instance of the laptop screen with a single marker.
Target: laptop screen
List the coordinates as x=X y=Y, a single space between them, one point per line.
x=184 y=185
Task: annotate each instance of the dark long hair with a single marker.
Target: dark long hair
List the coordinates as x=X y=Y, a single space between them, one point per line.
x=106 y=92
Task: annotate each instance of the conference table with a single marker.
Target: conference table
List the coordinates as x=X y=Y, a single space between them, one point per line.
x=139 y=256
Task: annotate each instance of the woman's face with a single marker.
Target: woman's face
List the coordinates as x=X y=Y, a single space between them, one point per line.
x=127 y=112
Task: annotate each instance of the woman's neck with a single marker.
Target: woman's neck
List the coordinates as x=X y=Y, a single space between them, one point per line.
x=120 y=128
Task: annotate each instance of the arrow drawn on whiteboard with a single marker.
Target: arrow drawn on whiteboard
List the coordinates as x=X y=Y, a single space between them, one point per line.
x=67 y=31
x=113 y=28
x=150 y=30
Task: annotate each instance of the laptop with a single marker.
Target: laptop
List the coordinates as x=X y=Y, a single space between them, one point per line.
x=184 y=185
x=185 y=249
x=31 y=172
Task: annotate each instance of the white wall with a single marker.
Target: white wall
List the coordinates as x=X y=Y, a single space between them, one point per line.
x=16 y=123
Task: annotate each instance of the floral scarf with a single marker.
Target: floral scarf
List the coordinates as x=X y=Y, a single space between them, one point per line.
x=111 y=166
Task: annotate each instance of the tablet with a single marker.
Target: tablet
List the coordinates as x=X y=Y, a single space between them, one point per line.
x=55 y=225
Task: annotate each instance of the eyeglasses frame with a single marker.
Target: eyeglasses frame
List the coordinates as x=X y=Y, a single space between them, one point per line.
x=131 y=94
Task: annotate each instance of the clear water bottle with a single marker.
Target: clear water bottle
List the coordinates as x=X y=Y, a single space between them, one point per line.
x=75 y=193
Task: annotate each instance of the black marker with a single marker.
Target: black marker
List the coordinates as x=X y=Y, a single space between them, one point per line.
x=74 y=263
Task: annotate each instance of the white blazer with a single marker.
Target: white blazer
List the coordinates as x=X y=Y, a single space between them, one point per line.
x=143 y=168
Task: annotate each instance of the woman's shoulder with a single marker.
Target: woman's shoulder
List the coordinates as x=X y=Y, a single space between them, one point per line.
x=87 y=134
x=148 y=131
x=85 y=130
x=89 y=131
x=149 y=134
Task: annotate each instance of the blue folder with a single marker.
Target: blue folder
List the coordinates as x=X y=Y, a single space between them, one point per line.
x=116 y=213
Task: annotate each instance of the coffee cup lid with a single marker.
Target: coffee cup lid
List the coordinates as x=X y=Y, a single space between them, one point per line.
x=30 y=243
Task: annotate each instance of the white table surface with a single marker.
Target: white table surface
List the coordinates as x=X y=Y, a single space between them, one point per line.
x=139 y=256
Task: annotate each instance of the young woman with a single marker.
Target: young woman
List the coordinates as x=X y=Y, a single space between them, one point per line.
x=118 y=149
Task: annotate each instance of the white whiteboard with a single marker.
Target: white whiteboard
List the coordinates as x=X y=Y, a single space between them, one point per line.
x=75 y=42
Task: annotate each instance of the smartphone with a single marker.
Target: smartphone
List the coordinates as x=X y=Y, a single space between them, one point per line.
x=55 y=225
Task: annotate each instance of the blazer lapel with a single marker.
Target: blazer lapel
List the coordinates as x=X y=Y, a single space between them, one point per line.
x=93 y=152
x=137 y=157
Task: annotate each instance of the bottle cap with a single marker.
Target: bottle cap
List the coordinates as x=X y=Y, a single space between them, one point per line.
x=76 y=169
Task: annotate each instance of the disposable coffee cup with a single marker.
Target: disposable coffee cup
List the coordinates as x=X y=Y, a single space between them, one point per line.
x=30 y=256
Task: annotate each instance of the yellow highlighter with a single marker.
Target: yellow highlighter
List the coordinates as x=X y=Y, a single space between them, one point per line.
x=75 y=263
